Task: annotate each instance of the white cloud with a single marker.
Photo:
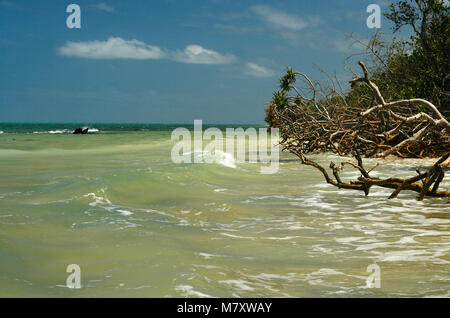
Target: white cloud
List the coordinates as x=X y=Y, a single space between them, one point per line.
x=286 y=25
x=255 y=70
x=195 y=54
x=237 y=28
x=113 y=48
x=104 y=7
x=279 y=19
x=118 y=48
x=11 y=5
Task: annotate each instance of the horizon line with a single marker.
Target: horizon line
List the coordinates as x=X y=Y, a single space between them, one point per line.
x=124 y=123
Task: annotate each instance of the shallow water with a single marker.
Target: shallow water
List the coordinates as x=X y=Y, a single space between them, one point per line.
x=140 y=226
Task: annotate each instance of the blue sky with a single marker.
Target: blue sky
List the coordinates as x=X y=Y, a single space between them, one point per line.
x=168 y=61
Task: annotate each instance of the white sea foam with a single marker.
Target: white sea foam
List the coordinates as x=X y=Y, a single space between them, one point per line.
x=237 y=236
x=268 y=277
x=188 y=291
x=285 y=238
x=125 y=212
x=99 y=200
x=220 y=157
x=298 y=227
x=220 y=190
x=225 y=159
x=206 y=266
x=64 y=131
x=238 y=283
x=348 y=239
x=407 y=240
x=445 y=295
x=208 y=256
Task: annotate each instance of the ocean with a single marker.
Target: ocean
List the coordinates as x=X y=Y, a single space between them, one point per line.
x=139 y=225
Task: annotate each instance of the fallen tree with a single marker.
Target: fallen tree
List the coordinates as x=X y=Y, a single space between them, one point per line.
x=318 y=120
x=381 y=115
x=431 y=179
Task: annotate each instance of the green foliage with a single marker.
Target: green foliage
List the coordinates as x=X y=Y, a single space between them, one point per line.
x=402 y=13
x=414 y=68
x=287 y=80
x=280 y=99
x=407 y=92
x=420 y=67
x=422 y=108
x=270 y=118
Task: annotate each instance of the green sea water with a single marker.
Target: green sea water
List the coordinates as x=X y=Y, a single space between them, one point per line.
x=139 y=225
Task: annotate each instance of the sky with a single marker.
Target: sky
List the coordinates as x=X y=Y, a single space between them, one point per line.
x=167 y=61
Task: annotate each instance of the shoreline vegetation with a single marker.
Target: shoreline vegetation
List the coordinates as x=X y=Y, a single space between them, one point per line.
x=399 y=107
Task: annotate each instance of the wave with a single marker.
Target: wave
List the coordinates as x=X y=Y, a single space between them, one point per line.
x=188 y=291
x=65 y=131
x=225 y=159
x=220 y=157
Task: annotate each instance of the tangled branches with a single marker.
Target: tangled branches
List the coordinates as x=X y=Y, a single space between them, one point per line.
x=320 y=119
x=317 y=119
x=431 y=179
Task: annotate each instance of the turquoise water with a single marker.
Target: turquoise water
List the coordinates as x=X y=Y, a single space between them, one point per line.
x=139 y=225
x=67 y=128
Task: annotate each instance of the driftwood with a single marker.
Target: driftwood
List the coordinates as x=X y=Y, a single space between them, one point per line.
x=431 y=179
x=316 y=119
x=320 y=119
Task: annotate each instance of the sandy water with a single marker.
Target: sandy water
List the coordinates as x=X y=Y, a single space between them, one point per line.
x=139 y=225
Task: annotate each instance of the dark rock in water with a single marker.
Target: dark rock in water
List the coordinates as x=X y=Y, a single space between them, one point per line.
x=82 y=131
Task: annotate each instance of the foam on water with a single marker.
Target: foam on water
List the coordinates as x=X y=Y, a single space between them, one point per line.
x=64 y=131
x=188 y=291
x=198 y=231
x=219 y=157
